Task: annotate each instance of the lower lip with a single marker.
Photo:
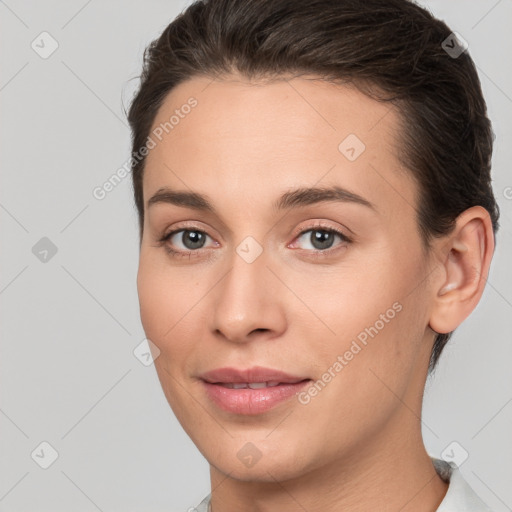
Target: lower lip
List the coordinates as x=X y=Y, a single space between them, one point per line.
x=251 y=401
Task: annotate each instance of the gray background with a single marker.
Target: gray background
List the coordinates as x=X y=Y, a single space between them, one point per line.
x=70 y=324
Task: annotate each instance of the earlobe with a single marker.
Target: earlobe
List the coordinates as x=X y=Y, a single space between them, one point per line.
x=467 y=256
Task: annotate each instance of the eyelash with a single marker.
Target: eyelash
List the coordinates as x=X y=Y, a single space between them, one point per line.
x=317 y=253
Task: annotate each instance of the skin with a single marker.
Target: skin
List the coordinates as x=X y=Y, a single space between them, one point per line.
x=357 y=444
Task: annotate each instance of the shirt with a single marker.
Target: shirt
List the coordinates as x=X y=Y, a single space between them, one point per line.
x=459 y=497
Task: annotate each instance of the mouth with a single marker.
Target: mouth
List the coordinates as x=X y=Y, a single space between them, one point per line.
x=250 y=391
x=253 y=385
x=254 y=375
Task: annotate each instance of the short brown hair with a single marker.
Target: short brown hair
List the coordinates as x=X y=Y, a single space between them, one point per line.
x=391 y=50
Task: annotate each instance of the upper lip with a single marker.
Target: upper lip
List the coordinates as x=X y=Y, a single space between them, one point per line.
x=248 y=375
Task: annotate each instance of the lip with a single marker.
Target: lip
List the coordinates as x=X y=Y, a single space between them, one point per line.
x=249 y=401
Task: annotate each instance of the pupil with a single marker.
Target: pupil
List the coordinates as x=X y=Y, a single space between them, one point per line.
x=196 y=239
x=321 y=239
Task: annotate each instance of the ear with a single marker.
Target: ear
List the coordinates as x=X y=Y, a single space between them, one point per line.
x=465 y=260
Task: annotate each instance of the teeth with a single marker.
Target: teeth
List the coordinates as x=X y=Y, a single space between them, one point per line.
x=257 y=385
x=251 y=385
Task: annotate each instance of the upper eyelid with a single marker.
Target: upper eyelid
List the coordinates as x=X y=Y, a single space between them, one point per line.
x=173 y=232
x=321 y=227
x=340 y=233
x=302 y=230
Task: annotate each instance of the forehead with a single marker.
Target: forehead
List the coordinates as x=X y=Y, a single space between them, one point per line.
x=244 y=137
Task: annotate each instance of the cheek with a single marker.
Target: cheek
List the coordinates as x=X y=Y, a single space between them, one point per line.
x=170 y=302
x=370 y=364
x=158 y=299
x=151 y=300
x=378 y=315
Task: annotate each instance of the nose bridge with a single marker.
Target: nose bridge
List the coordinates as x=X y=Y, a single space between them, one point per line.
x=247 y=297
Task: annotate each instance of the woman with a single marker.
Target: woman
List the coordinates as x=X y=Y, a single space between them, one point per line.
x=316 y=216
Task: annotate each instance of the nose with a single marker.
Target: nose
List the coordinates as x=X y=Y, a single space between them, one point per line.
x=249 y=302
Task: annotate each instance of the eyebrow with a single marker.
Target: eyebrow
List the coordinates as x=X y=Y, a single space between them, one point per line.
x=297 y=198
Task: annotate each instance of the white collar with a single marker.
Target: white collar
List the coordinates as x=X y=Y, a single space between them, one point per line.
x=460 y=497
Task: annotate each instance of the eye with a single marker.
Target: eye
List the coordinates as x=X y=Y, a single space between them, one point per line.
x=190 y=239
x=321 y=239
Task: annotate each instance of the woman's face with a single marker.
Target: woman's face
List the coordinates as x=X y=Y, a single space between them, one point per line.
x=332 y=292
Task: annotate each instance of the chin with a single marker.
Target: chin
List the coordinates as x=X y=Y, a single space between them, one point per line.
x=261 y=461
